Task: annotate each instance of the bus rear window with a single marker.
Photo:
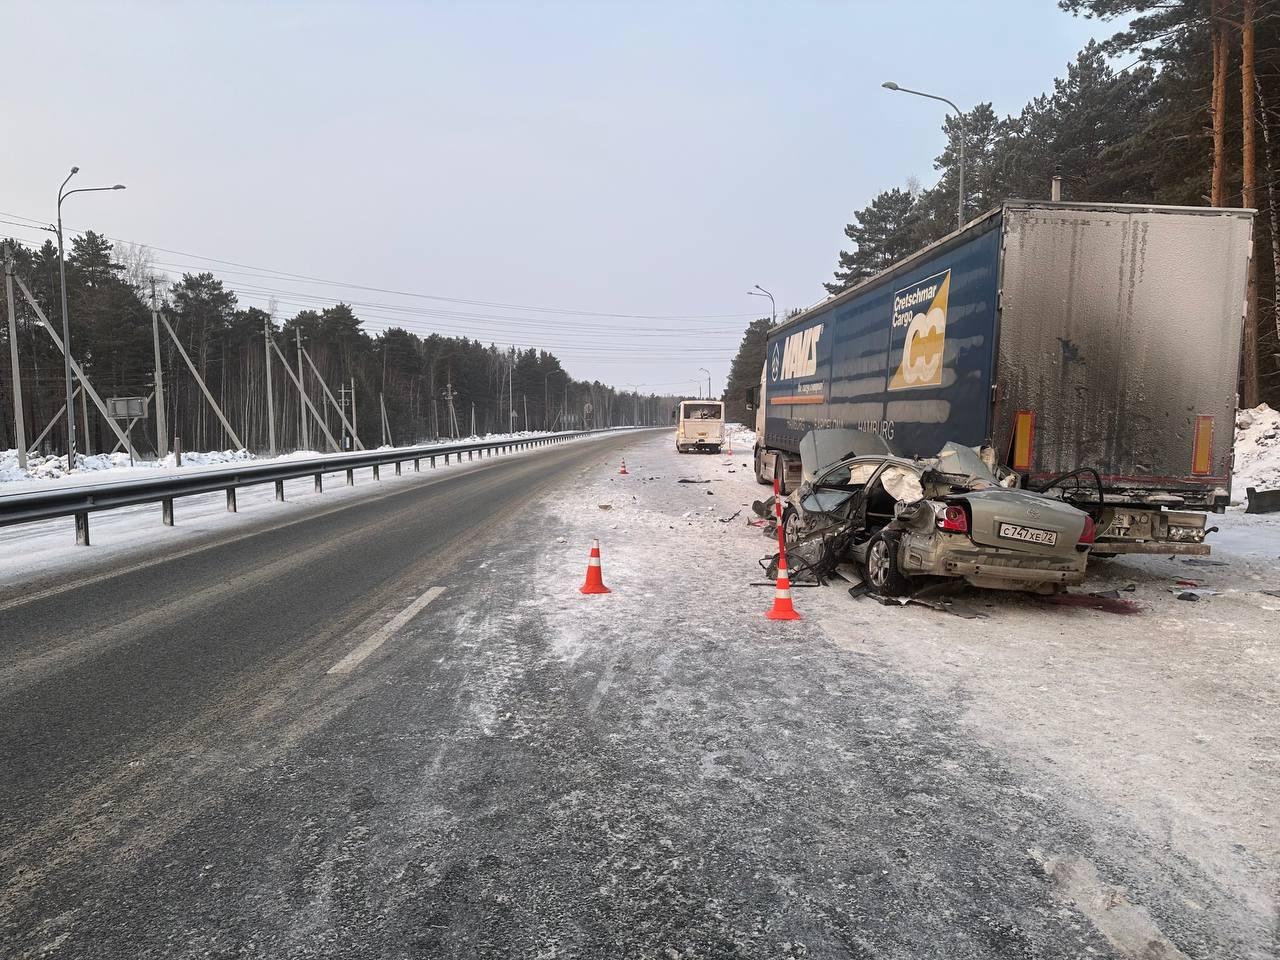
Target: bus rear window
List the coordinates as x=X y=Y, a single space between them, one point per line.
x=702 y=411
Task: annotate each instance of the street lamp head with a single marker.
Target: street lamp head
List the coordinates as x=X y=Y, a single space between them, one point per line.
x=119 y=186
x=890 y=85
x=75 y=170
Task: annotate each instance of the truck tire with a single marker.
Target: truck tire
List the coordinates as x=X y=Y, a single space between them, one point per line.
x=881 y=568
x=760 y=477
x=780 y=473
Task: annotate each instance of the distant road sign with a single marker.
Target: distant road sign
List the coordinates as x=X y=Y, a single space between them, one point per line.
x=126 y=408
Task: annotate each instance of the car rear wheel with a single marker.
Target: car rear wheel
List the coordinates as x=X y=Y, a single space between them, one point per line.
x=883 y=575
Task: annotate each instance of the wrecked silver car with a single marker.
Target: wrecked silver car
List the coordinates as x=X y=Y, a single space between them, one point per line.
x=950 y=516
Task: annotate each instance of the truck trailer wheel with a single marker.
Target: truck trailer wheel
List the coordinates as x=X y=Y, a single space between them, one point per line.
x=760 y=477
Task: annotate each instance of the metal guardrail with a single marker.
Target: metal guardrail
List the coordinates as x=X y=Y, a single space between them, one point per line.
x=80 y=501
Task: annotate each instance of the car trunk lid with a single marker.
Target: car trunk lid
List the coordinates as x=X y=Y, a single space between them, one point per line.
x=1019 y=520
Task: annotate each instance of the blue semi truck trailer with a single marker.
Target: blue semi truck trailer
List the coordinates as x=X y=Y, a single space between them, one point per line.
x=1099 y=341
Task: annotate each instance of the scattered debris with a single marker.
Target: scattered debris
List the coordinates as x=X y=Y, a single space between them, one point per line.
x=687 y=480
x=606 y=506
x=1089 y=602
x=1203 y=562
x=730 y=519
x=1114 y=592
x=1195 y=593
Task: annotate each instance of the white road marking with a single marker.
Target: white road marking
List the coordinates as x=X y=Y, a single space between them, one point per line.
x=384 y=633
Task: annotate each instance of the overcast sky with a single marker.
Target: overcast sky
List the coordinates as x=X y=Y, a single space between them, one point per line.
x=646 y=159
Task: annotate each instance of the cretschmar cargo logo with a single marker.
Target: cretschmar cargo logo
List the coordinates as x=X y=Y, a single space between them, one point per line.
x=920 y=313
x=797 y=356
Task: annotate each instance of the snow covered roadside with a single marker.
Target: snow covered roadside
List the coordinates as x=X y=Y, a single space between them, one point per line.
x=1257 y=449
x=1156 y=729
x=34 y=551
x=115 y=466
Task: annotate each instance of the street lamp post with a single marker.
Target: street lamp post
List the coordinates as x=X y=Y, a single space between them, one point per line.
x=66 y=320
x=773 y=307
x=890 y=85
x=708 y=373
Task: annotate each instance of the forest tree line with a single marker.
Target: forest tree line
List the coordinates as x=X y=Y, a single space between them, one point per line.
x=109 y=294
x=1181 y=107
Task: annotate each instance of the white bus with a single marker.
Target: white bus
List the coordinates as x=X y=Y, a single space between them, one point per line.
x=700 y=426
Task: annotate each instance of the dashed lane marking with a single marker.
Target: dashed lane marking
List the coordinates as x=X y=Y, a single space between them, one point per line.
x=384 y=633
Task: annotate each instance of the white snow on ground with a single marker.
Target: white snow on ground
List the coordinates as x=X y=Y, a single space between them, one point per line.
x=33 y=551
x=1161 y=722
x=1257 y=451
x=115 y=466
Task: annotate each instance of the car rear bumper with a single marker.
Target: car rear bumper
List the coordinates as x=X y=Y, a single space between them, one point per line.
x=988 y=567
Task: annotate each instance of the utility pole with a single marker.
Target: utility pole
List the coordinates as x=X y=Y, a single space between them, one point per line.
x=511 y=391
x=473 y=419
x=162 y=428
x=342 y=405
x=355 y=429
x=18 y=422
x=386 y=427
x=304 y=433
x=271 y=402
x=525 y=397
x=453 y=416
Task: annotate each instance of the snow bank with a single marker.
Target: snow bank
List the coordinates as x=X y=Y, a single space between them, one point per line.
x=55 y=468
x=1257 y=451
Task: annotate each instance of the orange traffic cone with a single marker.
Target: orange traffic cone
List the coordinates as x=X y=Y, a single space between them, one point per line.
x=594 y=582
x=729 y=445
x=782 y=608
x=623 y=471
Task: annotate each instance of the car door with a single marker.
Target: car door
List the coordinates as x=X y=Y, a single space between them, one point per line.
x=836 y=493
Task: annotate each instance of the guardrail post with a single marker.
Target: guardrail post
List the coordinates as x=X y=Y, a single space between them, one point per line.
x=319 y=483
x=446 y=459
x=376 y=475
x=397 y=468
x=351 y=478
x=433 y=463
x=166 y=511
x=417 y=465
x=82 y=529
x=231 y=499
x=280 y=490
x=471 y=454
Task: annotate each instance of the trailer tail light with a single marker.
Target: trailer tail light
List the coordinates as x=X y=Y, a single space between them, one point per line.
x=1202 y=448
x=1089 y=533
x=953 y=519
x=1024 y=428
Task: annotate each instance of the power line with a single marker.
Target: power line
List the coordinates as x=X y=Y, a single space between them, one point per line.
x=281 y=274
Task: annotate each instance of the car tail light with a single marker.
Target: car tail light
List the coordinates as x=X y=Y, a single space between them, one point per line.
x=954 y=519
x=1089 y=533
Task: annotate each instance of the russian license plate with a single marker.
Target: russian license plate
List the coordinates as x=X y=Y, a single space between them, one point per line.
x=1015 y=531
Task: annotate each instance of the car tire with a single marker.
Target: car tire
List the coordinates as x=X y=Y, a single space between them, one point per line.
x=790 y=525
x=780 y=474
x=881 y=567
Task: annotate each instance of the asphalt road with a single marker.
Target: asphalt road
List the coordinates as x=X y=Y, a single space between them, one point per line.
x=293 y=744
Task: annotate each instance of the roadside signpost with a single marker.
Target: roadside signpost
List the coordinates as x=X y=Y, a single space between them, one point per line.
x=131 y=409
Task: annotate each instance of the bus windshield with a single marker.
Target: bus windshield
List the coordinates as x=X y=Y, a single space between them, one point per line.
x=702 y=411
